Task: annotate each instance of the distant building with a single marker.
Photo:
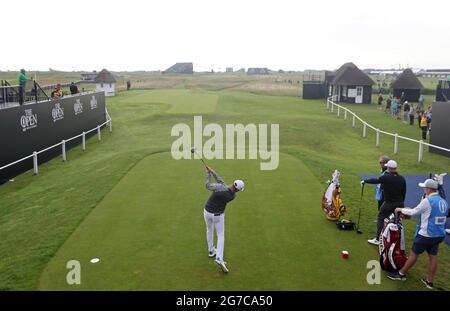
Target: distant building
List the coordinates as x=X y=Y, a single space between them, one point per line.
x=106 y=82
x=258 y=71
x=229 y=69
x=350 y=85
x=434 y=73
x=183 y=68
x=89 y=76
x=407 y=83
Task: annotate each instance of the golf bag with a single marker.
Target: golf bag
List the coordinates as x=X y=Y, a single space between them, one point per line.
x=392 y=245
x=344 y=224
x=331 y=199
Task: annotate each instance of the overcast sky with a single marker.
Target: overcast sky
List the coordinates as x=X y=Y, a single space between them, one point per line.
x=213 y=34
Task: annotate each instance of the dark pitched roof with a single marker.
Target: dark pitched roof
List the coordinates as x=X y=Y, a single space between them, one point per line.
x=181 y=68
x=407 y=80
x=349 y=74
x=104 y=76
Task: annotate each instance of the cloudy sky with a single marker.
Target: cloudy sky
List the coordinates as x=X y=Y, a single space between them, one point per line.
x=214 y=34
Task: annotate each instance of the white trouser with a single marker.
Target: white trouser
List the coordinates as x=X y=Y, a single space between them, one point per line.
x=219 y=223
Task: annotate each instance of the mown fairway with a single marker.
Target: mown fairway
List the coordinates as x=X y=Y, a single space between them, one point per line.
x=126 y=201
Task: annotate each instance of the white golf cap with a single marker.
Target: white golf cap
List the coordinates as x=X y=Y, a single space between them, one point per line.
x=429 y=183
x=391 y=164
x=239 y=185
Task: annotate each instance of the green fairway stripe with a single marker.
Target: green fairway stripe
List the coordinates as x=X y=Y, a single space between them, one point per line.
x=276 y=234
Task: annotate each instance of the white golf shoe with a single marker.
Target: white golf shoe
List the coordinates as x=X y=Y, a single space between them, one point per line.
x=222 y=265
x=373 y=242
x=212 y=253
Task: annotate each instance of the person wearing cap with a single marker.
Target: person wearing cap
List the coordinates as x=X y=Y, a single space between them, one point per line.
x=394 y=192
x=430 y=232
x=214 y=213
x=57 y=92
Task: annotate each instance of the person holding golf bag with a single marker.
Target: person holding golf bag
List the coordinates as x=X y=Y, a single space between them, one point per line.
x=214 y=213
x=432 y=212
x=394 y=192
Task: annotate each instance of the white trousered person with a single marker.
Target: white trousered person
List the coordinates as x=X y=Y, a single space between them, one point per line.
x=214 y=213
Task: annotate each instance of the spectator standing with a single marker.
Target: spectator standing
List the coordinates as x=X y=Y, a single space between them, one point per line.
x=73 y=88
x=394 y=106
x=423 y=124
x=128 y=85
x=388 y=104
x=22 y=79
x=428 y=114
x=406 y=109
x=421 y=105
x=380 y=101
x=412 y=112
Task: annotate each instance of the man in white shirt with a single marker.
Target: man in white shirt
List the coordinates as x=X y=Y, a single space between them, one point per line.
x=432 y=213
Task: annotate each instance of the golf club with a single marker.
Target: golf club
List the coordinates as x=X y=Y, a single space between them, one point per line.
x=359 y=212
x=194 y=150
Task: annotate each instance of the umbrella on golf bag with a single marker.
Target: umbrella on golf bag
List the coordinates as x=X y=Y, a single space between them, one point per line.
x=392 y=245
x=331 y=199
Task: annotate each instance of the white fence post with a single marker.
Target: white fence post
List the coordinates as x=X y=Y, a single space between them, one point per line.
x=35 y=163
x=420 y=150
x=110 y=125
x=396 y=144
x=339 y=111
x=99 y=133
x=63 y=143
x=364 y=130
x=353 y=121
x=332 y=107
x=377 y=143
x=83 y=139
x=345 y=114
x=328 y=103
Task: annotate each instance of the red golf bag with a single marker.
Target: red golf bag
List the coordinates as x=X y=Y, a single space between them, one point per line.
x=392 y=245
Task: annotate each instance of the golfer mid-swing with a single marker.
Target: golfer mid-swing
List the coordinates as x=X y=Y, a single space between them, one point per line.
x=214 y=213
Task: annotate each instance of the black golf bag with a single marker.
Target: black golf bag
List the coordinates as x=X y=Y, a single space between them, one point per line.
x=392 y=245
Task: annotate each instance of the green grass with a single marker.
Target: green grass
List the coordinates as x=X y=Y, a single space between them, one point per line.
x=126 y=201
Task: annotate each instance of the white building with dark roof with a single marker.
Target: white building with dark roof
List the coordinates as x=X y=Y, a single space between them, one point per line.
x=106 y=82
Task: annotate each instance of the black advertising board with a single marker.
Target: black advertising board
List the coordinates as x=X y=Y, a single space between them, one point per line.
x=33 y=127
x=440 y=127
